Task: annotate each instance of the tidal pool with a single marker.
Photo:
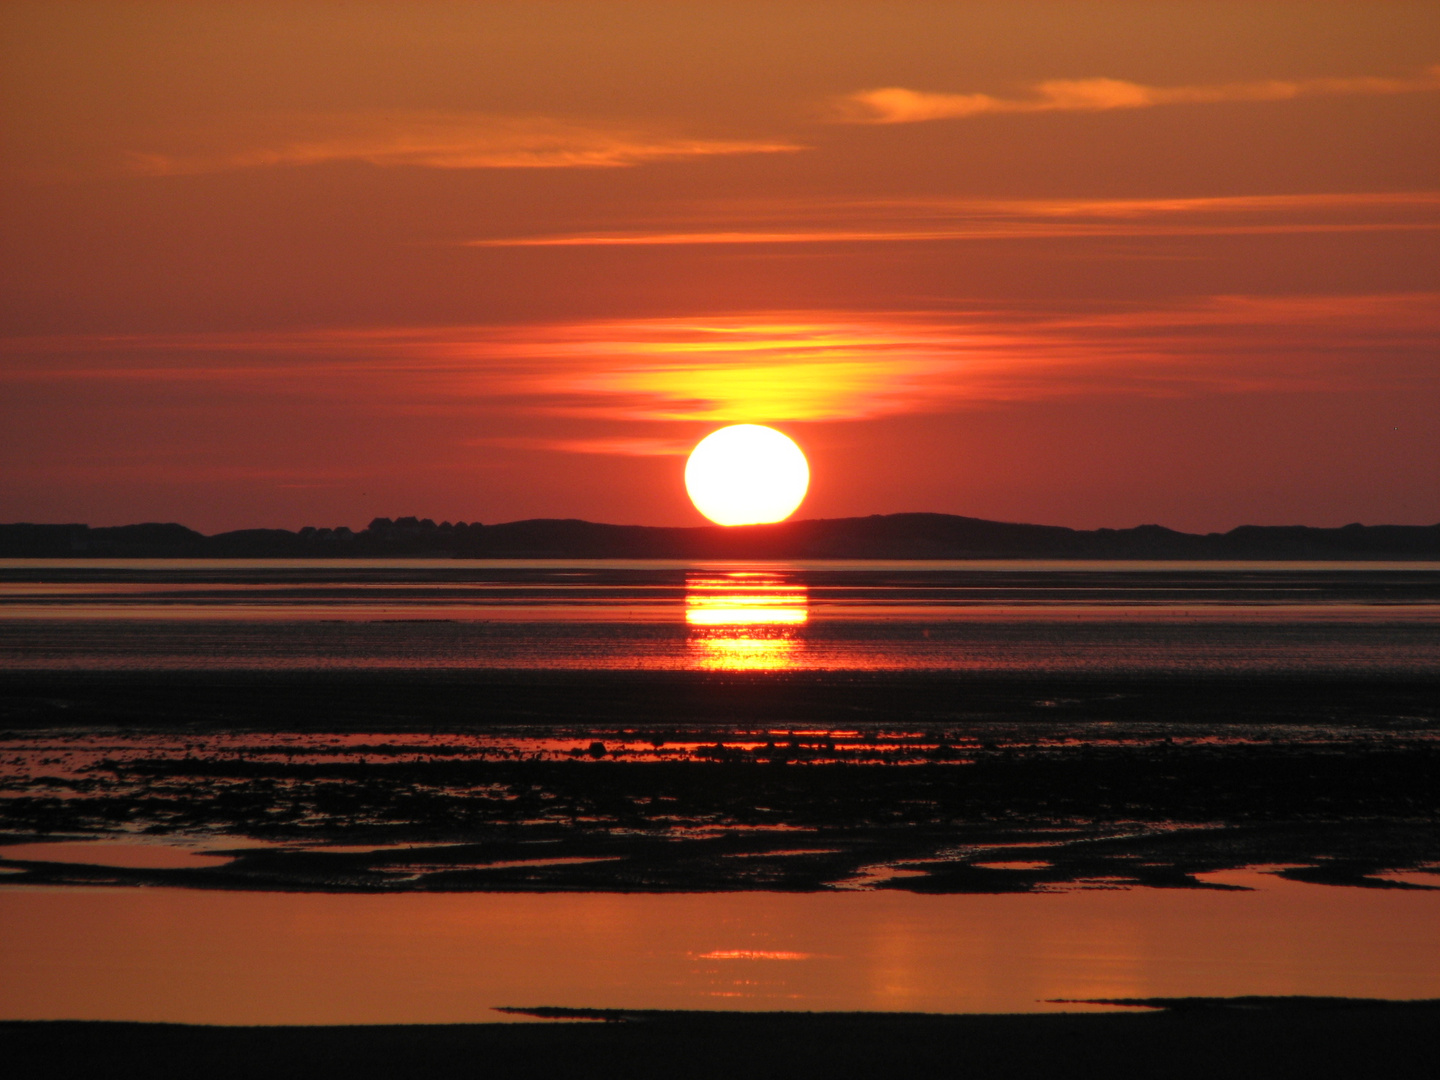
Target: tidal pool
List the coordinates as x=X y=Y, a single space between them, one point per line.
x=227 y=957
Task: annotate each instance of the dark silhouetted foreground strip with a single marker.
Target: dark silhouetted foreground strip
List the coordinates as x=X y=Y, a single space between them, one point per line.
x=1254 y=1037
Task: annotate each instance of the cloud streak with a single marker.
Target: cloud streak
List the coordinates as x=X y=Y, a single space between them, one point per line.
x=929 y=220
x=612 y=447
x=893 y=236
x=771 y=366
x=432 y=140
x=900 y=105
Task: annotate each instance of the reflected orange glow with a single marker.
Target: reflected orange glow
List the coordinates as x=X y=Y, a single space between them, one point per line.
x=200 y=956
x=753 y=651
x=745 y=600
x=152 y=856
x=752 y=954
x=745 y=621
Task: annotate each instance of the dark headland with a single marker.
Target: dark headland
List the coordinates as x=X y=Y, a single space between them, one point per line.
x=880 y=536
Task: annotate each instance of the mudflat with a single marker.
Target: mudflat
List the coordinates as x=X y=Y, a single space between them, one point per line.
x=724 y=781
x=1304 y=1039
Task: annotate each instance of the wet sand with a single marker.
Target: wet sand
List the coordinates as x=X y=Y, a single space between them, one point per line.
x=665 y=782
x=1299 y=1039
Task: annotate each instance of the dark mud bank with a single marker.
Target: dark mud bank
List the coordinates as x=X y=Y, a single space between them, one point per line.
x=701 y=784
x=1305 y=1039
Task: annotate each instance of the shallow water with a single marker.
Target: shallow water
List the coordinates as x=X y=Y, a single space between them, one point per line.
x=126 y=854
x=660 y=616
x=302 y=958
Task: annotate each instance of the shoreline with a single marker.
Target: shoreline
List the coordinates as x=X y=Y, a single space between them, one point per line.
x=1316 y=1039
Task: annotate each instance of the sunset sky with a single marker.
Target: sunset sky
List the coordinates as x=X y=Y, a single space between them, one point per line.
x=1078 y=263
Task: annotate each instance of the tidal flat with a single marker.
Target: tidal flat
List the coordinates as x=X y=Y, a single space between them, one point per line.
x=713 y=782
x=251 y=793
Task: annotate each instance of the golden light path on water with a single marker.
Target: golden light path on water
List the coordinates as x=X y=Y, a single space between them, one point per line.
x=745 y=621
x=677 y=615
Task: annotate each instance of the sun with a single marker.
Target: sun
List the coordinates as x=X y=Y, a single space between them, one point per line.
x=746 y=474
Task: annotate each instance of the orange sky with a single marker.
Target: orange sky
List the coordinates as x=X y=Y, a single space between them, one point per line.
x=1079 y=263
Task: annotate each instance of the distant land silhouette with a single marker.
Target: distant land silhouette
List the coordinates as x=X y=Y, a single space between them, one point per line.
x=881 y=536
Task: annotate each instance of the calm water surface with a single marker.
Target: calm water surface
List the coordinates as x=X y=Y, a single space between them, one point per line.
x=262 y=958
x=1104 y=617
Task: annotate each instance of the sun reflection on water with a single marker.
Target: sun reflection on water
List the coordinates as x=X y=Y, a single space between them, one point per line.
x=745 y=621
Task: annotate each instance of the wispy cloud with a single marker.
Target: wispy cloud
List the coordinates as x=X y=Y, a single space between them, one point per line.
x=893 y=236
x=925 y=219
x=775 y=366
x=618 y=447
x=433 y=141
x=899 y=105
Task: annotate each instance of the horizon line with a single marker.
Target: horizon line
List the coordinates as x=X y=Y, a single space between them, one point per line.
x=425 y=524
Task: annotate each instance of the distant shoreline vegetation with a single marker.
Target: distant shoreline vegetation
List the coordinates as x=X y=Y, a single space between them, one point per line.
x=888 y=536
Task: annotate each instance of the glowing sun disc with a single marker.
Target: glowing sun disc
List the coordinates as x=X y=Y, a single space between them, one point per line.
x=746 y=474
